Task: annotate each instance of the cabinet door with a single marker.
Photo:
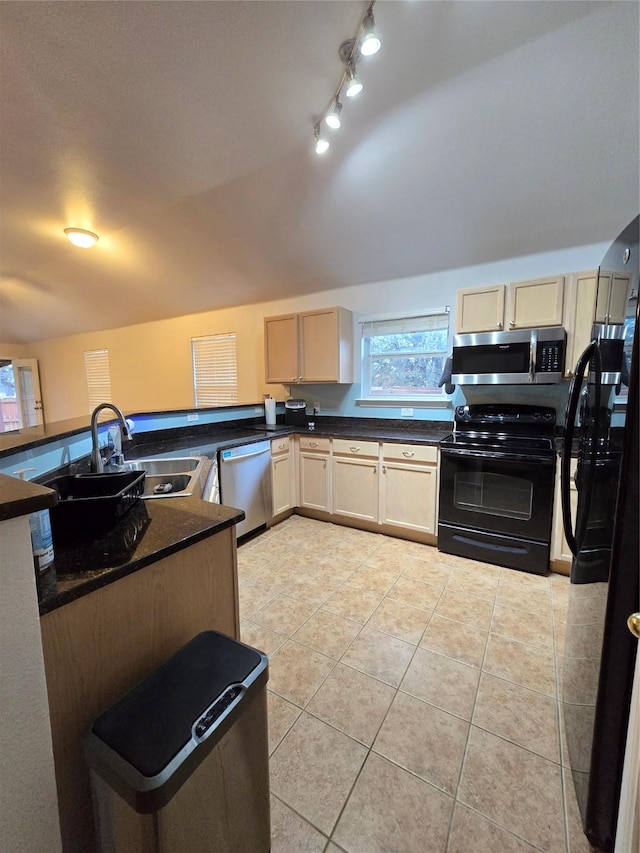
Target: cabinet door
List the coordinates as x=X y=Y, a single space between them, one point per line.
x=281 y=482
x=326 y=345
x=281 y=348
x=408 y=496
x=535 y=303
x=314 y=480
x=480 y=309
x=578 y=314
x=618 y=297
x=355 y=487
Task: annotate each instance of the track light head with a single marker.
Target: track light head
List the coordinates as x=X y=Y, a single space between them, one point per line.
x=354 y=86
x=369 y=43
x=322 y=144
x=332 y=118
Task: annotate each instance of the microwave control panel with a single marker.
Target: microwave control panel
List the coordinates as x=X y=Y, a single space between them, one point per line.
x=550 y=357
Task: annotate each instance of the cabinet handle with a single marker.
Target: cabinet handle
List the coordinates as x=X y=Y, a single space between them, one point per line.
x=499 y=325
x=384 y=469
x=313 y=444
x=354 y=449
x=512 y=324
x=408 y=453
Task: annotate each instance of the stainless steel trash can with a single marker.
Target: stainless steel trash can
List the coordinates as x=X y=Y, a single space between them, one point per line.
x=181 y=763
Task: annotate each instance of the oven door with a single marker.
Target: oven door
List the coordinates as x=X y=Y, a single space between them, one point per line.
x=496 y=507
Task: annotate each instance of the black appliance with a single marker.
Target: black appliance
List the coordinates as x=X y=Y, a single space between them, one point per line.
x=497 y=473
x=523 y=357
x=295 y=413
x=600 y=651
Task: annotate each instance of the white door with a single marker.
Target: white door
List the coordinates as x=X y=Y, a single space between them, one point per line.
x=28 y=391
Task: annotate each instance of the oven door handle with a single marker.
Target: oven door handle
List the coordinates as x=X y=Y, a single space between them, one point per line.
x=496 y=454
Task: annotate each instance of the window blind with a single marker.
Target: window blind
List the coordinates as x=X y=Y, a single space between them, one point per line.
x=405 y=325
x=215 y=372
x=98 y=376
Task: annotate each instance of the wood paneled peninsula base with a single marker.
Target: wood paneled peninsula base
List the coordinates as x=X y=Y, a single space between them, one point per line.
x=105 y=629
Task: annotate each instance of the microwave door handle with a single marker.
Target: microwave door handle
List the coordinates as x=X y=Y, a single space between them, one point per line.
x=533 y=355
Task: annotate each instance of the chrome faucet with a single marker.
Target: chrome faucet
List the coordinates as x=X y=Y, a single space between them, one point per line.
x=97 y=466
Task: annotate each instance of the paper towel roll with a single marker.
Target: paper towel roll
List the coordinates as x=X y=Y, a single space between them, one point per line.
x=270 y=411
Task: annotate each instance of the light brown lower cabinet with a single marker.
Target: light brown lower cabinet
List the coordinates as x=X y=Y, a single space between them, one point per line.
x=98 y=647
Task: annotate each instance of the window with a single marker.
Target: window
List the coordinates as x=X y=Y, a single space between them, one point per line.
x=215 y=373
x=404 y=357
x=98 y=375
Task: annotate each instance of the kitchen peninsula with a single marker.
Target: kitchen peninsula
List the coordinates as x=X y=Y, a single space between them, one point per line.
x=115 y=608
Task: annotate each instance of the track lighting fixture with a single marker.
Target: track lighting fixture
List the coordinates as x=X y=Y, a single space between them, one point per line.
x=366 y=43
x=370 y=43
x=321 y=143
x=332 y=118
x=354 y=86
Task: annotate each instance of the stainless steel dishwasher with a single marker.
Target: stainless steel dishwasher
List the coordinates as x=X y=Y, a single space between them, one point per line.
x=245 y=483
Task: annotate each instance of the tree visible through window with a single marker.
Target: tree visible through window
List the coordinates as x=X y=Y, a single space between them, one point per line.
x=404 y=357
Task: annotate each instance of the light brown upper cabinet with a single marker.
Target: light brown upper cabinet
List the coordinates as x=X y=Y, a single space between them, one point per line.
x=312 y=346
x=519 y=305
x=590 y=300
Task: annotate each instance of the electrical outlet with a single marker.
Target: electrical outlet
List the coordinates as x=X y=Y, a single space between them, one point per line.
x=406 y=413
x=192 y=416
x=257 y=410
x=316 y=408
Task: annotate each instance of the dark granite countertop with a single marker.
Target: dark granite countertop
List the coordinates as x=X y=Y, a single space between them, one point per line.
x=151 y=530
x=21 y=497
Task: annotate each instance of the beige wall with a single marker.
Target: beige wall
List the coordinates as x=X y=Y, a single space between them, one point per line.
x=151 y=362
x=14 y=351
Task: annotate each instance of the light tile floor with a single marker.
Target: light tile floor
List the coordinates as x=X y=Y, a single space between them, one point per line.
x=413 y=696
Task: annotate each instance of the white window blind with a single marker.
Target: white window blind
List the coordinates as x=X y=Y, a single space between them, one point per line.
x=215 y=372
x=406 y=325
x=98 y=375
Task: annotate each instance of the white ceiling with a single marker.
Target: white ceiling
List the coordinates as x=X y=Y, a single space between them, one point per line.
x=181 y=132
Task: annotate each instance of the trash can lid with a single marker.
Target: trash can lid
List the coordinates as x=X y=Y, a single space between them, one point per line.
x=153 y=722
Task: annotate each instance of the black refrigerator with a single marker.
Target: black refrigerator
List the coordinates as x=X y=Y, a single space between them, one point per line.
x=600 y=650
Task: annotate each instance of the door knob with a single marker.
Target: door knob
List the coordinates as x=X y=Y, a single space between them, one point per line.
x=633 y=623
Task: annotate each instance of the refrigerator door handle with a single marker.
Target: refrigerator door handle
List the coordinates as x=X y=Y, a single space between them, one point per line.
x=574 y=539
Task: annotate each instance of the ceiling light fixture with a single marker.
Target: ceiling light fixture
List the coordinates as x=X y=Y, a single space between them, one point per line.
x=354 y=86
x=366 y=43
x=322 y=144
x=332 y=118
x=370 y=43
x=81 y=238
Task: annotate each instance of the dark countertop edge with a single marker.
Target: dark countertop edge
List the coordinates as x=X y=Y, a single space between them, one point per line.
x=22 y=497
x=89 y=582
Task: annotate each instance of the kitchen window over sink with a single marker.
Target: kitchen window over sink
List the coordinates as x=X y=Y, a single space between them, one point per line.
x=403 y=357
x=215 y=371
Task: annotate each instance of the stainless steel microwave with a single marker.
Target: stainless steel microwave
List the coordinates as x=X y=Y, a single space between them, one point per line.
x=524 y=357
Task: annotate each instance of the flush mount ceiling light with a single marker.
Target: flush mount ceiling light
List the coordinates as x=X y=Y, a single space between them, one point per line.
x=366 y=43
x=81 y=238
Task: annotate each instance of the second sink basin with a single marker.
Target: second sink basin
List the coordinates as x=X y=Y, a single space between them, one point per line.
x=170 y=478
x=165 y=466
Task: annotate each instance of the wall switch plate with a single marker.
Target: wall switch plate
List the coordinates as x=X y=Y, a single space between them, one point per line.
x=192 y=416
x=406 y=413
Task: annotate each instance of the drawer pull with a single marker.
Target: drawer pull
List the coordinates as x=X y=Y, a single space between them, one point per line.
x=354 y=449
x=408 y=453
x=313 y=444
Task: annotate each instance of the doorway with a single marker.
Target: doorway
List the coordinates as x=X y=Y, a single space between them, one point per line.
x=20 y=396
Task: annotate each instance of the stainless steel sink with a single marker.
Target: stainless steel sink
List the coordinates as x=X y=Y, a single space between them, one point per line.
x=170 y=478
x=165 y=466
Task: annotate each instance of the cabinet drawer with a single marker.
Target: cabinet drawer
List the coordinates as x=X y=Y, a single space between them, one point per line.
x=410 y=452
x=314 y=443
x=280 y=445
x=352 y=447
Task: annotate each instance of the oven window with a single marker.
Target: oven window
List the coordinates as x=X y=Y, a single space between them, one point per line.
x=493 y=494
